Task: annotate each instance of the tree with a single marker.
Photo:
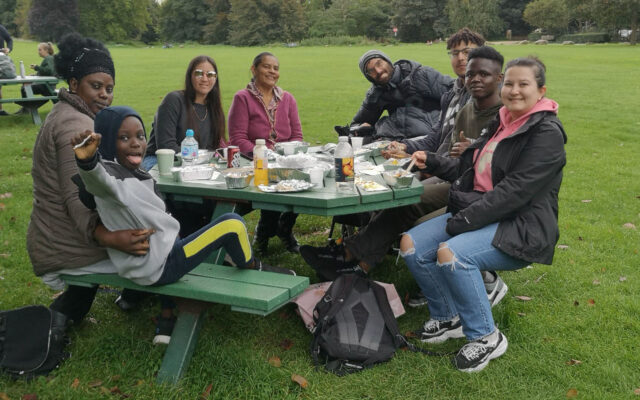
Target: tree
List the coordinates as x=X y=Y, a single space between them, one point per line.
x=511 y=13
x=183 y=20
x=551 y=16
x=418 y=20
x=617 y=14
x=115 y=20
x=218 y=23
x=479 y=15
x=50 y=19
x=351 y=17
x=8 y=15
x=22 y=17
x=255 y=22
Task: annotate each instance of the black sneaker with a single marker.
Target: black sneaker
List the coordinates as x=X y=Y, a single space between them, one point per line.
x=260 y=266
x=474 y=356
x=417 y=301
x=329 y=261
x=164 y=327
x=3 y=113
x=290 y=243
x=435 y=331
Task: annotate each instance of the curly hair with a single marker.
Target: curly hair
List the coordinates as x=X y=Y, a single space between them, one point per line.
x=487 y=52
x=465 y=35
x=72 y=47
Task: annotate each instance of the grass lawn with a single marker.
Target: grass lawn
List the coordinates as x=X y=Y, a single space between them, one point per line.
x=584 y=307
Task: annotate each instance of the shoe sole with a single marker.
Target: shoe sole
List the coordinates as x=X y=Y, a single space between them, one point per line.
x=500 y=295
x=161 y=339
x=416 y=304
x=500 y=350
x=446 y=335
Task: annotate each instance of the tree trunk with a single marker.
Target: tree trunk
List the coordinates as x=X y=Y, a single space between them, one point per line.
x=634 y=26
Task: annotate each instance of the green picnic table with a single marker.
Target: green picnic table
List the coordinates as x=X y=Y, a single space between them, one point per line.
x=32 y=101
x=244 y=290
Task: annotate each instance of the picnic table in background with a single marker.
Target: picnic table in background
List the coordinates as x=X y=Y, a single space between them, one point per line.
x=32 y=101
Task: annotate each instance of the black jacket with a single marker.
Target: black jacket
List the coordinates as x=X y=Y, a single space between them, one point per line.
x=412 y=99
x=527 y=172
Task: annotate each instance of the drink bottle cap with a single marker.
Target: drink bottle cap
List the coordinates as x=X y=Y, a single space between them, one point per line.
x=343 y=138
x=189 y=132
x=260 y=141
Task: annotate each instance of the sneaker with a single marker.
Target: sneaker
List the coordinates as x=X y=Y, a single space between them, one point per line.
x=435 y=331
x=164 y=327
x=496 y=290
x=260 y=266
x=290 y=243
x=417 y=301
x=329 y=261
x=474 y=356
x=130 y=298
x=3 y=113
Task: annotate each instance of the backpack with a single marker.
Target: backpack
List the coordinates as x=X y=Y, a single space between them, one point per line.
x=355 y=326
x=32 y=341
x=7 y=68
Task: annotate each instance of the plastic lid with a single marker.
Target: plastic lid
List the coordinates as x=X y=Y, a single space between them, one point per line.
x=343 y=138
x=189 y=132
x=260 y=141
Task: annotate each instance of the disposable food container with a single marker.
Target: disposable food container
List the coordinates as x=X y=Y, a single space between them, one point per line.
x=398 y=178
x=192 y=172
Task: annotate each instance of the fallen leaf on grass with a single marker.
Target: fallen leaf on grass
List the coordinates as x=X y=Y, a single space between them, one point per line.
x=3 y=396
x=622 y=278
x=586 y=201
x=410 y=334
x=93 y=320
x=521 y=314
x=563 y=246
x=94 y=384
x=629 y=225
x=275 y=361
x=591 y=302
x=286 y=344
x=523 y=298
x=75 y=383
x=596 y=282
x=300 y=381
x=572 y=393
x=30 y=396
x=573 y=362
x=4 y=255
x=637 y=392
x=207 y=392
x=7 y=195
x=2 y=206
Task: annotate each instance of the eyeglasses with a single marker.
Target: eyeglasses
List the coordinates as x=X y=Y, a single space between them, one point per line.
x=456 y=53
x=201 y=74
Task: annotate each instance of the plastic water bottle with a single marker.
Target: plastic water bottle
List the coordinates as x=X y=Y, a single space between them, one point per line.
x=189 y=149
x=345 y=174
x=22 y=71
x=260 y=163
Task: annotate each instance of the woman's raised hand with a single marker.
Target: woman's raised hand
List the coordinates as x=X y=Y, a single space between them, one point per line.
x=85 y=144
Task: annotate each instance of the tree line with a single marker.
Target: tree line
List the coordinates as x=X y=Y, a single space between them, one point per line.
x=257 y=22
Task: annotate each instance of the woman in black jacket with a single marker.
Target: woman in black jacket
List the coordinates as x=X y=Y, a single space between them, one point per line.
x=502 y=215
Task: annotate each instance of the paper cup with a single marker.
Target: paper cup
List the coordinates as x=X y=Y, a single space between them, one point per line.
x=289 y=148
x=165 y=161
x=316 y=176
x=356 y=142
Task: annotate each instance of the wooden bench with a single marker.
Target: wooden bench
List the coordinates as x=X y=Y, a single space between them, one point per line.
x=247 y=291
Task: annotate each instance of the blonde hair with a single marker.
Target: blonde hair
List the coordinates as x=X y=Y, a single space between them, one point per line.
x=48 y=46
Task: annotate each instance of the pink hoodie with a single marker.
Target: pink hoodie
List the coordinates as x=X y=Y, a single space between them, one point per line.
x=482 y=181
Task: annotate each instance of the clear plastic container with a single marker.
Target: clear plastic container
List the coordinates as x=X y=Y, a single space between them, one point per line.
x=260 y=163
x=189 y=149
x=345 y=173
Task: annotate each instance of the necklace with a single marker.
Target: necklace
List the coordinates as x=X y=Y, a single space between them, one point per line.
x=206 y=112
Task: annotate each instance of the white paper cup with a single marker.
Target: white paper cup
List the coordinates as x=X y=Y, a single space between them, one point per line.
x=165 y=161
x=356 y=142
x=317 y=175
x=289 y=148
x=222 y=152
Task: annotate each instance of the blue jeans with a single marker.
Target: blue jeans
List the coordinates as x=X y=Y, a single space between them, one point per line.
x=227 y=231
x=456 y=287
x=148 y=162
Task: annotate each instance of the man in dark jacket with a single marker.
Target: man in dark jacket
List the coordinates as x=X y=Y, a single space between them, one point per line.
x=408 y=91
x=4 y=37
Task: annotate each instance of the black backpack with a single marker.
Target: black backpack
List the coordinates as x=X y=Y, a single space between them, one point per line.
x=355 y=327
x=32 y=341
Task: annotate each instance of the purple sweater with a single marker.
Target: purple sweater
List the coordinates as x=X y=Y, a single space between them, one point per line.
x=248 y=121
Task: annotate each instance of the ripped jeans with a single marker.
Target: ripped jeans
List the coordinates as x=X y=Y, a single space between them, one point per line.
x=456 y=288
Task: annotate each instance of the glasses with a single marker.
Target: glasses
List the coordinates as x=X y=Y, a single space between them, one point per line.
x=201 y=74
x=456 y=53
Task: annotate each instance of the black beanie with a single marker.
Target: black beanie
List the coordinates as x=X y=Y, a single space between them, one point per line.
x=90 y=61
x=369 y=55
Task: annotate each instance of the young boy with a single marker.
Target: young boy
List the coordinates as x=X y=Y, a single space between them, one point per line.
x=126 y=198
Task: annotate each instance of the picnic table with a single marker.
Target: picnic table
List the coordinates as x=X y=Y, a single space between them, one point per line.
x=32 y=101
x=245 y=290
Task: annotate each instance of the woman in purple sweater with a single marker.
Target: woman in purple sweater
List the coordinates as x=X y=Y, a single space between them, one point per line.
x=264 y=111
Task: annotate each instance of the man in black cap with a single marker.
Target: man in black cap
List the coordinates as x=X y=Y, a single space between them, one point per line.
x=4 y=37
x=408 y=91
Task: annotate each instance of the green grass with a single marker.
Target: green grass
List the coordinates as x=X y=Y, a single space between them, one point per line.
x=598 y=88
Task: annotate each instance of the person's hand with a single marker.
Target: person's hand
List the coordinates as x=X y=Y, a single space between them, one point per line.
x=5 y=50
x=85 y=149
x=32 y=66
x=421 y=159
x=459 y=147
x=131 y=241
x=395 y=150
x=365 y=124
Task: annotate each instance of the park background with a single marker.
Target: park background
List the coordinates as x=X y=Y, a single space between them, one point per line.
x=576 y=336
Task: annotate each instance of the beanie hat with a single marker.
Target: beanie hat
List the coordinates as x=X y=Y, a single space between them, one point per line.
x=107 y=123
x=366 y=57
x=90 y=61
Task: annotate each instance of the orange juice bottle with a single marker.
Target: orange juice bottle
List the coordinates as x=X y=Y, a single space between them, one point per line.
x=260 y=164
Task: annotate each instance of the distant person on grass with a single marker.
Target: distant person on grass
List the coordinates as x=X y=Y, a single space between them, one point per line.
x=407 y=90
x=6 y=49
x=126 y=197
x=502 y=215
x=46 y=68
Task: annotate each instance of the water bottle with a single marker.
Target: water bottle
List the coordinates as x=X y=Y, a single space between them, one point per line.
x=22 y=72
x=260 y=163
x=189 y=149
x=345 y=174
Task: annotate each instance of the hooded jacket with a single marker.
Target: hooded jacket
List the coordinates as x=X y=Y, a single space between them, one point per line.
x=526 y=173
x=412 y=99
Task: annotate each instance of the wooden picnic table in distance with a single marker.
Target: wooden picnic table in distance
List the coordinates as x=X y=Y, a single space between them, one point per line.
x=33 y=101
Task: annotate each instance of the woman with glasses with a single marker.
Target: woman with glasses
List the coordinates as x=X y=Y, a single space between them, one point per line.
x=197 y=107
x=264 y=111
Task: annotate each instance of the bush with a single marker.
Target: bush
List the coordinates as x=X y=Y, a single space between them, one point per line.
x=337 y=41
x=533 y=36
x=591 y=37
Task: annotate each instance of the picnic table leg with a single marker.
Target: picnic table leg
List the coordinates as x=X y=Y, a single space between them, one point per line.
x=183 y=340
x=35 y=116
